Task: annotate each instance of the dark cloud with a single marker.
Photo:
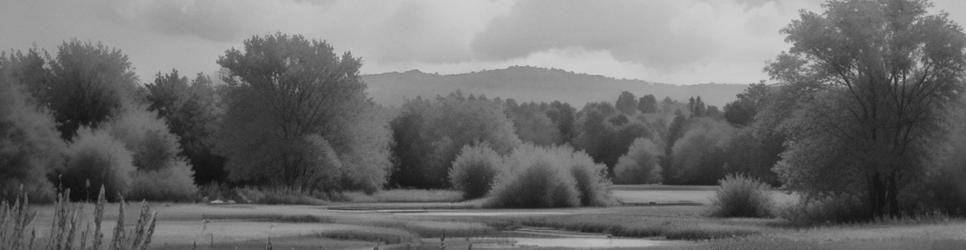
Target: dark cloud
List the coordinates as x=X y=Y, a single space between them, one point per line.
x=202 y=19
x=646 y=32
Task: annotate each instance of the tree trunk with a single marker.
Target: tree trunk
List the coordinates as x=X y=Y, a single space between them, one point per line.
x=876 y=195
x=893 y=196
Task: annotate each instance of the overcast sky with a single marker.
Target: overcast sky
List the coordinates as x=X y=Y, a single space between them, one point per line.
x=672 y=41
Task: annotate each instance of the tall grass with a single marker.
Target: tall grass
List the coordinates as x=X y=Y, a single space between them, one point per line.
x=68 y=230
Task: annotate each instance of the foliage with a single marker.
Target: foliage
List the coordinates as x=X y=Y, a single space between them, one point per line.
x=591 y=178
x=699 y=156
x=190 y=111
x=475 y=169
x=429 y=134
x=754 y=154
x=641 y=164
x=626 y=103
x=550 y=177
x=365 y=154
x=647 y=104
x=147 y=137
x=825 y=209
x=172 y=183
x=605 y=134
x=742 y=111
x=29 y=144
x=534 y=122
x=283 y=88
x=540 y=184
x=95 y=159
x=741 y=196
x=886 y=73
x=89 y=84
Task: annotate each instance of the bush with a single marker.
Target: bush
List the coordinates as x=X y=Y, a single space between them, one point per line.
x=30 y=146
x=827 y=209
x=741 y=196
x=550 y=177
x=147 y=137
x=539 y=185
x=173 y=183
x=640 y=164
x=96 y=159
x=591 y=179
x=474 y=170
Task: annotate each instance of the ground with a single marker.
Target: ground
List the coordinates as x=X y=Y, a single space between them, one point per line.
x=649 y=217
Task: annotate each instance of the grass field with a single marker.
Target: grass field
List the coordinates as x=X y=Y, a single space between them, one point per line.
x=650 y=216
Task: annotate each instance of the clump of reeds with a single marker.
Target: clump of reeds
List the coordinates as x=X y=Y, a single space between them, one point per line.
x=66 y=231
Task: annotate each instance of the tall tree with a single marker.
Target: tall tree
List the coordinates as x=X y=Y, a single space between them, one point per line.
x=742 y=111
x=626 y=103
x=884 y=73
x=284 y=93
x=189 y=110
x=647 y=104
x=89 y=83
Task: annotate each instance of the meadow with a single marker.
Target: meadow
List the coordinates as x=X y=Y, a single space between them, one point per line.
x=648 y=216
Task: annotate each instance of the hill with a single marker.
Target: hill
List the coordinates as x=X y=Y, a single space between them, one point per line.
x=525 y=83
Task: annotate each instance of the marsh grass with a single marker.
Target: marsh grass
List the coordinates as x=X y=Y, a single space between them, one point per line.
x=68 y=229
x=406 y=195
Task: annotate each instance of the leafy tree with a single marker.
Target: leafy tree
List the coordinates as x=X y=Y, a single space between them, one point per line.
x=88 y=84
x=885 y=72
x=281 y=90
x=190 y=111
x=699 y=156
x=647 y=104
x=606 y=134
x=626 y=103
x=563 y=115
x=742 y=111
x=641 y=163
x=533 y=124
x=428 y=135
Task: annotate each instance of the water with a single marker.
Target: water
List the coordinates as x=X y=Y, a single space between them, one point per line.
x=542 y=242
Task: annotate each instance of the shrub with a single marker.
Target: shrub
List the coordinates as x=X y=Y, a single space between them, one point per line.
x=474 y=170
x=173 y=183
x=30 y=146
x=741 y=196
x=640 y=164
x=147 y=137
x=590 y=178
x=825 y=210
x=539 y=185
x=96 y=159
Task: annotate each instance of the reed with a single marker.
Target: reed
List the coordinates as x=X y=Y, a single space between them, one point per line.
x=70 y=228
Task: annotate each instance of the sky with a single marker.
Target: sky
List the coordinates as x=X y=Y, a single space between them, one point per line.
x=670 y=41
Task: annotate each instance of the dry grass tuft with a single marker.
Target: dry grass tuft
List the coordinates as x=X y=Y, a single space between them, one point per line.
x=68 y=230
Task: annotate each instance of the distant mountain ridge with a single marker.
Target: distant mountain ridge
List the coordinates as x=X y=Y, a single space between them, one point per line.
x=526 y=83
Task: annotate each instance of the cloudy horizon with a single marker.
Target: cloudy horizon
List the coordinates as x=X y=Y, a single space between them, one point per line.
x=679 y=42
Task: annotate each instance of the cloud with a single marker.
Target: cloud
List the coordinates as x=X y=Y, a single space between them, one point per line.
x=676 y=41
x=661 y=35
x=638 y=31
